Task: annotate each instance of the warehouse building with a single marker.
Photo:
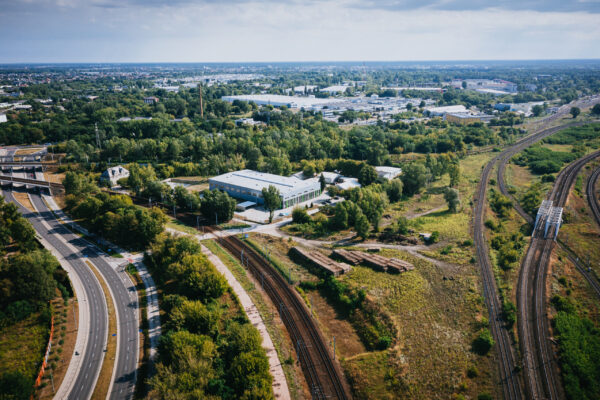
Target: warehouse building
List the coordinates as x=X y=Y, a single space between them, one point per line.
x=248 y=185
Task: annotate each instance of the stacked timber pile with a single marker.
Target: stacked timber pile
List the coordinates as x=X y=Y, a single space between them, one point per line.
x=322 y=261
x=375 y=261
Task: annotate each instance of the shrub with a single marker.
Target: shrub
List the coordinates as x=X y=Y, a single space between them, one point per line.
x=483 y=342
x=300 y=216
x=472 y=371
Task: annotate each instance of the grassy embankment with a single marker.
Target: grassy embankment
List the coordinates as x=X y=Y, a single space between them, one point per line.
x=436 y=314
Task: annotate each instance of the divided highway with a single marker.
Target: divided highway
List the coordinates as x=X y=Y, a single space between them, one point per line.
x=124 y=295
x=92 y=303
x=122 y=291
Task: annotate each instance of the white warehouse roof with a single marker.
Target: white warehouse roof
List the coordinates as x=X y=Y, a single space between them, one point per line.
x=254 y=180
x=277 y=100
x=447 y=109
x=388 y=172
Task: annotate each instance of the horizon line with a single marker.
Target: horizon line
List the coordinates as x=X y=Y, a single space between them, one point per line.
x=296 y=61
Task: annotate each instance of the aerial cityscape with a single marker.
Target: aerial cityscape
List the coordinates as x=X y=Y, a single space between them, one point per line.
x=304 y=200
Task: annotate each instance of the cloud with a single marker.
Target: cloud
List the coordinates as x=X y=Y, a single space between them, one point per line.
x=591 y=6
x=268 y=30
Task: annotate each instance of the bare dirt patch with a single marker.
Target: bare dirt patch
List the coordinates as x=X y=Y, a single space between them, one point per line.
x=27 y=151
x=23 y=198
x=67 y=315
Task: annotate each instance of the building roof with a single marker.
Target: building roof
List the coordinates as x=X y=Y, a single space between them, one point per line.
x=393 y=171
x=278 y=100
x=348 y=183
x=259 y=180
x=447 y=109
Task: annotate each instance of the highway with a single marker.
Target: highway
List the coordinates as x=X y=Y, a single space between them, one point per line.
x=125 y=297
x=92 y=354
x=122 y=291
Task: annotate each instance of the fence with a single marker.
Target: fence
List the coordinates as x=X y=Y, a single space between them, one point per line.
x=38 y=381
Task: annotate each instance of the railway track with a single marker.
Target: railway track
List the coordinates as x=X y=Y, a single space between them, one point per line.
x=540 y=364
x=323 y=375
x=509 y=377
x=592 y=197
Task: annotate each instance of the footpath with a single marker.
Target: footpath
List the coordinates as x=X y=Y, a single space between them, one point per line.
x=280 y=387
x=152 y=309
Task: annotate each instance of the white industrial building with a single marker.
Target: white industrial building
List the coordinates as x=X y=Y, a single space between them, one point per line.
x=305 y=89
x=113 y=174
x=335 y=89
x=441 y=111
x=248 y=185
x=276 y=100
x=388 y=173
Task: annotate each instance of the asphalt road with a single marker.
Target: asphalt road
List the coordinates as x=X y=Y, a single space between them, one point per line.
x=126 y=301
x=94 y=352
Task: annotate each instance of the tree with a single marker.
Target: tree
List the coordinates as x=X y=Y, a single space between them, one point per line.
x=394 y=190
x=367 y=175
x=454 y=174
x=452 y=198
x=414 y=178
x=217 y=203
x=596 y=109
x=483 y=343
x=322 y=182
x=531 y=199
x=15 y=386
x=373 y=204
x=272 y=200
x=300 y=216
x=402 y=225
x=362 y=225
x=340 y=217
x=537 y=110
x=575 y=111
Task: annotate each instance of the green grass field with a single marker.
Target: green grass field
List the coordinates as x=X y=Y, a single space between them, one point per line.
x=436 y=318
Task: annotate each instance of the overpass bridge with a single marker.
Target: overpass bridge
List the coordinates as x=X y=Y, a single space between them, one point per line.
x=52 y=187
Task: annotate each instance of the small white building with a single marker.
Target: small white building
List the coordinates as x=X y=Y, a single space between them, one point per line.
x=3 y=118
x=388 y=173
x=346 y=183
x=330 y=177
x=113 y=174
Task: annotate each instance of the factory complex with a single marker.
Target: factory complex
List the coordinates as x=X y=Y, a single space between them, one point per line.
x=248 y=185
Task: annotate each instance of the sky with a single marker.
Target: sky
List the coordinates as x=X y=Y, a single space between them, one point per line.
x=45 y=31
